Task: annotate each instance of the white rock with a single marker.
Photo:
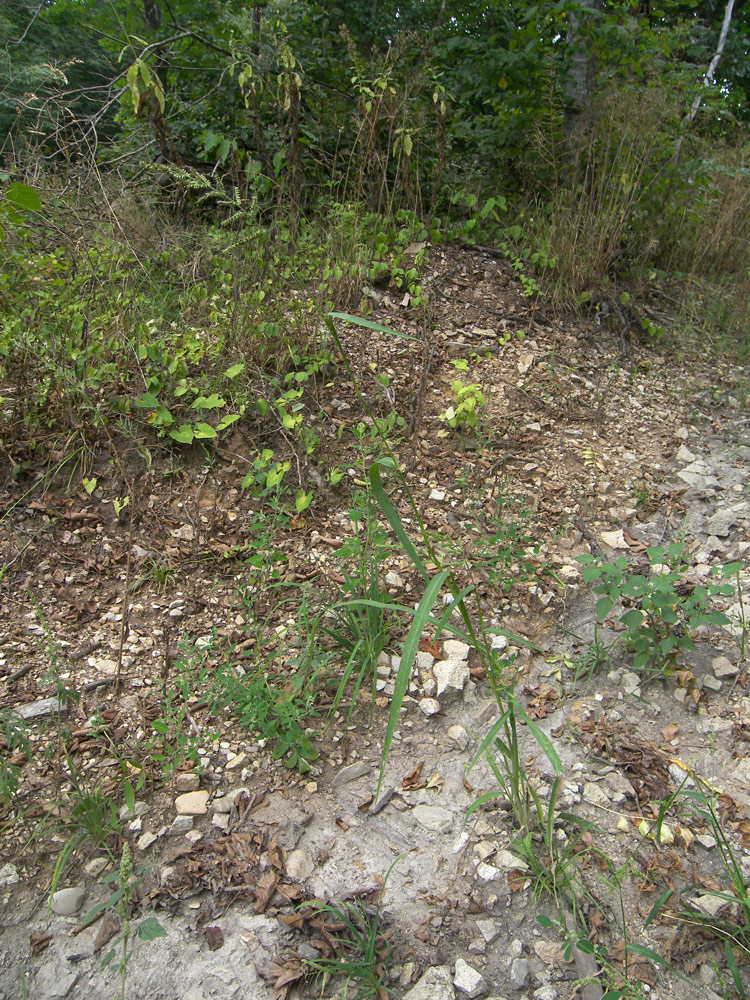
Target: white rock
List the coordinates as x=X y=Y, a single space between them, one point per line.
x=181 y=825
x=435 y=984
x=220 y=820
x=299 y=865
x=488 y=929
x=685 y=455
x=454 y=649
x=434 y=818
x=723 y=667
x=468 y=980
x=459 y=736
x=145 y=841
x=486 y=872
x=8 y=875
x=451 y=677
x=614 y=539
x=437 y=495
x=393 y=580
x=192 y=803
x=429 y=706
x=66 y=902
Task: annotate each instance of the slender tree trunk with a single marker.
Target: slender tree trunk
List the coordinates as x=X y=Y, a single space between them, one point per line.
x=580 y=84
x=708 y=79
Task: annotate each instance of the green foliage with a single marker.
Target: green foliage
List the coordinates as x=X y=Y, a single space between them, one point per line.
x=361 y=620
x=664 y=609
x=126 y=881
x=468 y=404
x=15 y=734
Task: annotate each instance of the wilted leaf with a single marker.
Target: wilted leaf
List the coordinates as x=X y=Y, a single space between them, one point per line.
x=265 y=889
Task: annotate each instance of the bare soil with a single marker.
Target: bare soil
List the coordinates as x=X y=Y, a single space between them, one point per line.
x=578 y=451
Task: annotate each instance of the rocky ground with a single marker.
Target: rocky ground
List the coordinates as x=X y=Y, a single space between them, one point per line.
x=580 y=450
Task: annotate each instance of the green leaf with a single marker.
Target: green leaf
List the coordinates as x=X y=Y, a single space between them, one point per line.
x=147 y=399
x=632 y=619
x=716 y=618
x=302 y=501
x=235 y=370
x=603 y=607
x=204 y=431
x=183 y=434
x=227 y=420
x=150 y=929
x=23 y=197
x=212 y=402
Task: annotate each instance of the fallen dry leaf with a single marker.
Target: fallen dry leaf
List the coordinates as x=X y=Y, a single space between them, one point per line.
x=412 y=780
x=109 y=928
x=427 y=645
x=265 y=889
x=214 y=937
x=38 y=941
x=669 y=732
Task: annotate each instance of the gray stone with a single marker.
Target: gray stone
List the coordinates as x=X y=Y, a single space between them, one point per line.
x=519 y=973
x=139 y=809
x=435 y=984
x=220 y=820
x=724 y=520
x=459 y=736
x=468 y=980
x=596 y=795
x=631 y=682
x=66 y=902
x=545 y=993
x=36 y=709
x=54 y=982
x=698 y=475
x=723 y=667
x=192 y=804
x=180 y=826
x=351 y=772
x=188 y=781
x=712 y=683
x=95 y=867
x=434 y=818
x=705 y=840
x=146 y=840
x=299 y=865
x=392 y=579
x=8 y=875
x=451 y=677
x=684 y=455
x=488 y=929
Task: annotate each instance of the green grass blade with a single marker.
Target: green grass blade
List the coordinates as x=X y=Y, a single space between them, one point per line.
x=394 y=520
x=411 y=646
x=369 y=325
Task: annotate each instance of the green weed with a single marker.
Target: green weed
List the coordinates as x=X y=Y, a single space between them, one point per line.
x=664 y=608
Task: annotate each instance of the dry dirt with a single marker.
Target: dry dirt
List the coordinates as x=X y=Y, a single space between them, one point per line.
x=583 y=449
